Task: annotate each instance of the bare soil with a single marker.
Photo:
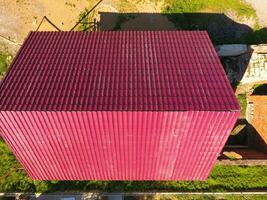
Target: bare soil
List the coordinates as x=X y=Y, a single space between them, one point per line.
x=19 y=17
x=261 y=9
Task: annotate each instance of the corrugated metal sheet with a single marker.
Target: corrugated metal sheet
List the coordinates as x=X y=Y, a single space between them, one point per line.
x=117 y=106
x=126 y=71
x=117 y=145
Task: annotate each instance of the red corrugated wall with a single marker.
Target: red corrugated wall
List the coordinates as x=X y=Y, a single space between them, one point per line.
x=109 y=145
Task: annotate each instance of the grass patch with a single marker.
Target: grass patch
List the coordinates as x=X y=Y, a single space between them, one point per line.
x=3 y=63
x=223 y=178
x=241 y=8
x=242 y=100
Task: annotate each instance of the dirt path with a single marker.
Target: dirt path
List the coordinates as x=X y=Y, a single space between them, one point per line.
x=261 y=8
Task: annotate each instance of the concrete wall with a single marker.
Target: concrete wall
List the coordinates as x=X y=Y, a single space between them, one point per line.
x=256 y=69
x=258 y=118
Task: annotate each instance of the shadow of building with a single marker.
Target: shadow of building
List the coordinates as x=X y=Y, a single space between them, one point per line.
x=221 y=28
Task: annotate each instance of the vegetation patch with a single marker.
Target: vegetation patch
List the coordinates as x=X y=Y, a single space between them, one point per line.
x=86 y=20
x=222 y=178
x=242 y=100
x=4 y=63
x=241 y=8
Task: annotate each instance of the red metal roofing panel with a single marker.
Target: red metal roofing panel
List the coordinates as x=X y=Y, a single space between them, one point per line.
x=117 y=106
x=117 y=145
x=111 y=71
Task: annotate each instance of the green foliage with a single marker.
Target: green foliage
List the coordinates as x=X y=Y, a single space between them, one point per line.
x=223 y=178
x=242 y=100
x=12 y=180
x=241 y=8
x=84 y=20
x=3 y=63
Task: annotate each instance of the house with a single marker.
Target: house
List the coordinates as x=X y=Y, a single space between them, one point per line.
x=133 y=105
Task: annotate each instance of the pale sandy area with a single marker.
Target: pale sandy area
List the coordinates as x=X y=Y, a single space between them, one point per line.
x=261 y=8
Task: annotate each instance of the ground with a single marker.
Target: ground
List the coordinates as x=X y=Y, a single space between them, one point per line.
x=261 y=9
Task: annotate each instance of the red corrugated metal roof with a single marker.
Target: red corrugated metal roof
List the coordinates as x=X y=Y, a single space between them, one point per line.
x=117 y=71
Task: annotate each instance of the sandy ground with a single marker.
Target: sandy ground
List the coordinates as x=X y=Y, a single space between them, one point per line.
x=19 y=17
x=261 y=8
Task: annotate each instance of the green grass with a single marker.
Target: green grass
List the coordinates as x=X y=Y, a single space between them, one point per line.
x=240 y=8
x=223 y=178
x=3 y=63
x=242 y=100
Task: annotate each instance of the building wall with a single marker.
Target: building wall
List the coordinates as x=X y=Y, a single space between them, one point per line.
x=258 y=115
x=117 y=145
x=256 y=69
